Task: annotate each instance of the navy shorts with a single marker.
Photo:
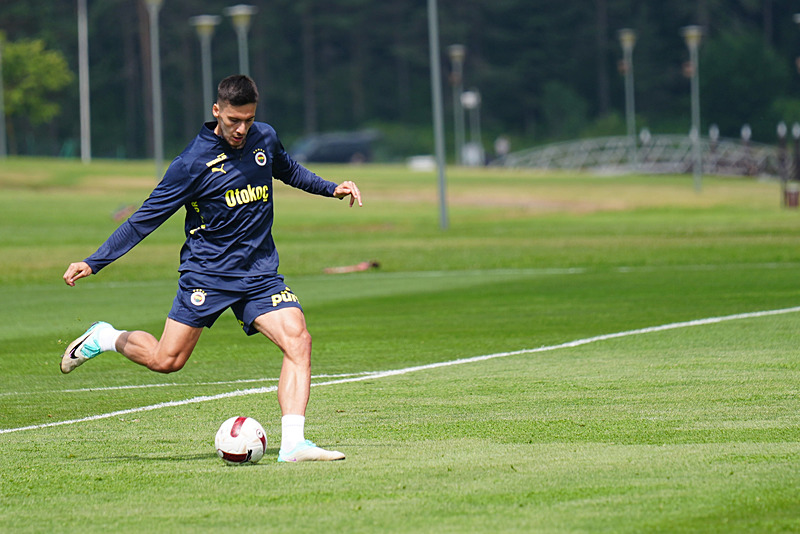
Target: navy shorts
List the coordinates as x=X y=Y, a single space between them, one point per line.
x=201 y=299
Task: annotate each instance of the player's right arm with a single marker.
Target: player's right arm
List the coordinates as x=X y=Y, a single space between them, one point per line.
x=170 y=194
x=76 y=271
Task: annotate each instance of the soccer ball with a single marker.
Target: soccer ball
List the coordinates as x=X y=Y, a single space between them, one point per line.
x=240 y=440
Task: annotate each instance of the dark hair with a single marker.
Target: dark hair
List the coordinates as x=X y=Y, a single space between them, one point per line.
x=237 y=90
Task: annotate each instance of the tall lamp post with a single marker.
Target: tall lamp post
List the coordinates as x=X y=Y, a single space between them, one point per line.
x=791 y=189
x=457 y=54
x=240 y=15
x=3 y=149
x=692 y=35
x=627 y=38
x=205 y=24
x=153 y=7
x=83 y=82
x=436 y=99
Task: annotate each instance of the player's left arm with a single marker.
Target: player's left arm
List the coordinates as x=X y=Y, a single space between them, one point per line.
x=348 y=188
x=287 y=170
x=290 y=172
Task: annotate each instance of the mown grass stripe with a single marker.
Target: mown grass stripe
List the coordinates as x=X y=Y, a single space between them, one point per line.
x=413 y=369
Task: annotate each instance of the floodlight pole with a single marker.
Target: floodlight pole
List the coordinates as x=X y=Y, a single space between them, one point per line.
x=153 y=7
x=692 y=36
x=240 y=15
x=205 y=24
x=627 y=38
x=457 y=54
x=436 y=96
x=3 y=148
x=83 y=82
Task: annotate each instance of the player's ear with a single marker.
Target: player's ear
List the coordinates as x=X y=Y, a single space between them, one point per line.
x=215 y=110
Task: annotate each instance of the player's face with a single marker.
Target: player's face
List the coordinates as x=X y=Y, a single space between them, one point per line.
x=233 y=122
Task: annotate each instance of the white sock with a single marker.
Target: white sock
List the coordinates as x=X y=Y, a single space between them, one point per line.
x=292 y=431
x=107 y=338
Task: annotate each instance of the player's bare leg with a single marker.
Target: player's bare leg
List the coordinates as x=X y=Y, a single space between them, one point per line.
x=166 y=355
x=287 y=329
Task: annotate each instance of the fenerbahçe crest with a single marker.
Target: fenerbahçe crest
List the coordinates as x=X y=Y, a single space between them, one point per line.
x=261 y=157
x=198 y=297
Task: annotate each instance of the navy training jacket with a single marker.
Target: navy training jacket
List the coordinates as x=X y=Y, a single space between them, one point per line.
x=228 y=198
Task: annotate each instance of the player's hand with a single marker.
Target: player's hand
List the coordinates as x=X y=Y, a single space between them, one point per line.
x=76 y=271
x=348 y=188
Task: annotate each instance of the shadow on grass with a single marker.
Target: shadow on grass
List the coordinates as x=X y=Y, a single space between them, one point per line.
x=157 y=458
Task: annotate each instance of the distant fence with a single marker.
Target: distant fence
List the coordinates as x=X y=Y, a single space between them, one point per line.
x=661 y=154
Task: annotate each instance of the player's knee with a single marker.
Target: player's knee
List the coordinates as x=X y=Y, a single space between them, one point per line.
x=298 y=345
x=305 y=337
x=167 y=363
x=165 y=367
x=304 y=340
x=296 y=333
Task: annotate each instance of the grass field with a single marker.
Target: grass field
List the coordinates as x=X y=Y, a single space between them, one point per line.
x=504 y=375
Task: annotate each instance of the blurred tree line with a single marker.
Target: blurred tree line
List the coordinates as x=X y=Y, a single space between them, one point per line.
x=546 y=70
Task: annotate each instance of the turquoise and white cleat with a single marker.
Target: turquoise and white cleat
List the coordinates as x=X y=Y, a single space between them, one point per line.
x=306 y=451
x=83 y=348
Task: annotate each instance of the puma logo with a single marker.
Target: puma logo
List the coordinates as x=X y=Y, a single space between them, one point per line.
x=221 y=169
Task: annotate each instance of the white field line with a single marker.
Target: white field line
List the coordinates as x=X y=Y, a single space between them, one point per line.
x=406 y=370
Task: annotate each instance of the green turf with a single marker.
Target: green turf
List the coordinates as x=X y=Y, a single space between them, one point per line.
x=692 y=429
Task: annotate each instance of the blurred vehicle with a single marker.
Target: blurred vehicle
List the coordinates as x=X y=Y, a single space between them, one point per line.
x=335 y=147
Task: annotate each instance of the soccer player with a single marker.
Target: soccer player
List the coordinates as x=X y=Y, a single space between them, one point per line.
x=224 y=181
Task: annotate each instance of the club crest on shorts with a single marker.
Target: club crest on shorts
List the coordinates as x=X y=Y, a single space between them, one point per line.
x=198 y=297
x=261 y=157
